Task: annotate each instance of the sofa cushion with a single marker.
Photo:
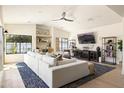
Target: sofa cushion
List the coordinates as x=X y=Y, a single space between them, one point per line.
x=31 y=54
x=39 y=56
x=49 y=60
x=67 y=55
x=66 y=61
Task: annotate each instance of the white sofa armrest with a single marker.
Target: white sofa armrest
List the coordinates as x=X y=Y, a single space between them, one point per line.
x=67 y=73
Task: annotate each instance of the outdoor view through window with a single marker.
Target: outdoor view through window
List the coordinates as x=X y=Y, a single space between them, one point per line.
x=18 y=44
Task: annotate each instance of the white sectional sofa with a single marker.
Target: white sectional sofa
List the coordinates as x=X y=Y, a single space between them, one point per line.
x=53 y=73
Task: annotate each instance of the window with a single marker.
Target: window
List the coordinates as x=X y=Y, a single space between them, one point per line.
x=18 y=44
x=64 y=43
x=57 y=44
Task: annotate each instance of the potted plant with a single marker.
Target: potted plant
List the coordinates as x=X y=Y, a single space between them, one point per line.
x=120 y=47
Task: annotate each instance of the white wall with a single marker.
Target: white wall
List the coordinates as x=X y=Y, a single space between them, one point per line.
x=1 y=49
x=1 y=40
x=20 y=29
x=56 y=32
x=123 y=50
x=1 y=16
x=103 y=31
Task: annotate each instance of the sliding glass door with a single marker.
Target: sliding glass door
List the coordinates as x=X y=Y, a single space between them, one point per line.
x=61 y=44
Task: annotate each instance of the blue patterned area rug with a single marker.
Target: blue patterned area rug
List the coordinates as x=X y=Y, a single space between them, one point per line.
x=31 y=80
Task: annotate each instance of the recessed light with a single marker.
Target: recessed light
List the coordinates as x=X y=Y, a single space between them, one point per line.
x=28 y=21
x=39 y=11
x=90 y=19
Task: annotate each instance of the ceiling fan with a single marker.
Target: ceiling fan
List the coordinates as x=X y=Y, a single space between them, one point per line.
x=64 y=18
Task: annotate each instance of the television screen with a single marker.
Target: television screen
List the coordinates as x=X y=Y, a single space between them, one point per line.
x=88 y=38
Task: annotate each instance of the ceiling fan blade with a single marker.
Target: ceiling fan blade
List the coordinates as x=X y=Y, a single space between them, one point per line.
x=68 y=19
x=63 y=18
x=63 y=14
x=58 y=19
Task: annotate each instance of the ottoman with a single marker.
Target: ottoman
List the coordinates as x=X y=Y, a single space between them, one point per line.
x=91 y=68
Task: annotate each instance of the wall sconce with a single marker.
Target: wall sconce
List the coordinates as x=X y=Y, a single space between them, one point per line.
x=5 y=31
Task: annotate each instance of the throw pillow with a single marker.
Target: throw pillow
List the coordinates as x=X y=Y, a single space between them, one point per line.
x=59 y=57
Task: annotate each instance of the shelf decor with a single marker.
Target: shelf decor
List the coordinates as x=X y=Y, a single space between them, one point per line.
x=43 y=37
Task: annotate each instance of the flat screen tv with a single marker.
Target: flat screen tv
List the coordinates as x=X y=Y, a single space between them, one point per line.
x=87 y=38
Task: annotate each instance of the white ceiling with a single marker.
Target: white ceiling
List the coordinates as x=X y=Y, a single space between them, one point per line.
x=85 y=16
x=118 y=9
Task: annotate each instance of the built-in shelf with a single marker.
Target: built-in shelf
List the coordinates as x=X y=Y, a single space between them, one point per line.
x=45 y=36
